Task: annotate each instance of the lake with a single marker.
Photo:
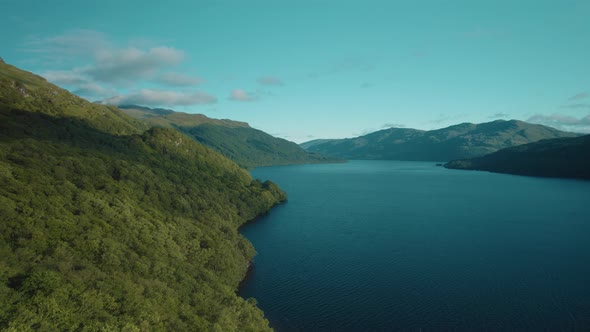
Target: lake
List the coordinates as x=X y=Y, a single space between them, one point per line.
x=390 y=245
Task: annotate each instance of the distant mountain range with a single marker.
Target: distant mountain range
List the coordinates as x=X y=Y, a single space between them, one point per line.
x=560 y=157
x=460 y=141
x=246 y=146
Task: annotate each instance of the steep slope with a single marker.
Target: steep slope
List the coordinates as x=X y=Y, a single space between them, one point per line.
x=27 y=91
x=247 y=146
x=561 y=157
x=107 y=227
x=464 y=140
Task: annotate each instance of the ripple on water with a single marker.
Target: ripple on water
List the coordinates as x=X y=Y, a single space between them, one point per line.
x=409 y=246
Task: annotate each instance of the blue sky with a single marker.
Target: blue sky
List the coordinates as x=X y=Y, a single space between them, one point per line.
x=316 y=69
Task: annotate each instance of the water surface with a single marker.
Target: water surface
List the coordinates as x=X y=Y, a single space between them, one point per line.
x=387 y=245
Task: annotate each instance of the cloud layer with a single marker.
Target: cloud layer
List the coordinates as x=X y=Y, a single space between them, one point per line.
x=241 y=95
x=153 y=98
x=578 y=96
x=270 y=80
x=93 y=90
x=99 y=68
x=176 y=79
x=563 y=122
x=393 y=125
x=499 y=115
x=72 y=43
x=578 y=105
x=131 y=64
x=65 y=77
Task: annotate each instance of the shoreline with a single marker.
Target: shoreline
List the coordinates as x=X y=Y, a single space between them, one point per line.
x=250 y=265
x=250 y=262
x=261 y=215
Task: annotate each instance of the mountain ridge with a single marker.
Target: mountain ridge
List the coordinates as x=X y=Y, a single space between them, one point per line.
x=247 y=146
x=459 y=141
x=167 y=117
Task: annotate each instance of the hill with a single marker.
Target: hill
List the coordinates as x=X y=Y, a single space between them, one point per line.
x=247 y=146
x=107 y=226
x=464 y=140
x=561 y=157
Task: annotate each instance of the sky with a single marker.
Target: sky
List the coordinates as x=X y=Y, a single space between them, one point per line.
x=303 y=70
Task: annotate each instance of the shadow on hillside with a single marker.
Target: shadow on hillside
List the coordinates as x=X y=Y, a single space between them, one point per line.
x=16 y=125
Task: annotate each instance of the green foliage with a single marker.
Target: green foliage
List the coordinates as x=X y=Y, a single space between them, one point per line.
x=108 y=228
x=246 y=146
x=250 y=147
x=26 y=91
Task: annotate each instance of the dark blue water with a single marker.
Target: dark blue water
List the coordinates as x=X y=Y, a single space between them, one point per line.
x=386 y=245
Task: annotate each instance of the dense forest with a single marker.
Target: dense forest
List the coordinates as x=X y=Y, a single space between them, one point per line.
x=560 y=157
x=110 y=226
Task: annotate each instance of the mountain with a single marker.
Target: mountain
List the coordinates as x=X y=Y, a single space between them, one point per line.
x=247 y=146
x=107 y=225
x=560 y=157
x=464 y=140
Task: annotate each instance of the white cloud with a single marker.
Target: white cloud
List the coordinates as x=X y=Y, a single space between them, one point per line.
x=98 y=67
x=393 y=125
x=241 y=95
x=578 y=105
x=499 y=115
x=70 y=44
x=270 y=80
x=65 y=77
x=578 y=96
x=131 y=64
x=563 y=122
x=176 y=79
x=93 y=90
x=154 y=98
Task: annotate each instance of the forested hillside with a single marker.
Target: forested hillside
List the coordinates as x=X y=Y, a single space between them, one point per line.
x=109 y=227
x=560 y=157
x=247 y=146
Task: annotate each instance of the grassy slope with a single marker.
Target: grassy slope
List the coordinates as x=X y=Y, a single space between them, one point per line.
x=561 y=157
x=251 y=147
x=109 y=227
x=247 y=146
